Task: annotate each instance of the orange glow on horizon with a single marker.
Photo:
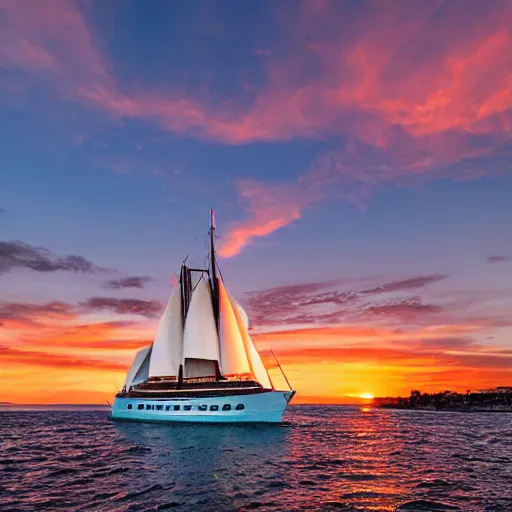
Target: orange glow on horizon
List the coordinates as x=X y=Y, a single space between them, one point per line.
x=69 y=364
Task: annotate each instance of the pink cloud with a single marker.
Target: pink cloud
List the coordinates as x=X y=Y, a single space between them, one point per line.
x=360 y=82
x=418 y=91
x=54 y=36
x=498 y=259
x=421 y=92
x=270 y=208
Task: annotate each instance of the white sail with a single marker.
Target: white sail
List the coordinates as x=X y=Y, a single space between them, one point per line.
x=139 y=370
x=241 y=310
x=257 y=367
x=200 y=339
x=233 y=357
x=167 y=352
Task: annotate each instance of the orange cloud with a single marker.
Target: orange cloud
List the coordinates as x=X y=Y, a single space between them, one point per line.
x=362 y=336
x=59 y=362
x=87 y=363
x=13 y=356
x=343 y=361
x=97 y=336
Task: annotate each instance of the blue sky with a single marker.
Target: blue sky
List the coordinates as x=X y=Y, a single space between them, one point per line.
x=355 y=140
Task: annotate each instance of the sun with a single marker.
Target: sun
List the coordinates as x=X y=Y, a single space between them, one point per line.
x=366 y=396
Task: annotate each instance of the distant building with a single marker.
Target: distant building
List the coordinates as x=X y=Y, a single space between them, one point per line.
x=498 y=389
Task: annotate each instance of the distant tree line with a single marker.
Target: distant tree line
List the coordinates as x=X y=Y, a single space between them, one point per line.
x=496 y=400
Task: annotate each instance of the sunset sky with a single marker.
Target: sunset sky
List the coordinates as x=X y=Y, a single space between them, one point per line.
x=358 y=155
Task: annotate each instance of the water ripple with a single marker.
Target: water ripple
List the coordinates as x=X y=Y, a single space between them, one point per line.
x=321 y=459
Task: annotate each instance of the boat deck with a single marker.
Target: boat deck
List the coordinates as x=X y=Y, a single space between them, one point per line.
x=198 y=389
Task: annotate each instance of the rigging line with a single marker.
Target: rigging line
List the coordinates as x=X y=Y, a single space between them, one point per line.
x=278 y=364
x=199 y=280
x=218 y=268
x=282 y=371
x=216 y=262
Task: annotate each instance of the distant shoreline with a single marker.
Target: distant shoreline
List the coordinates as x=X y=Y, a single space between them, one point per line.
x=498 y=399
x=445 y=409
x=448 y=409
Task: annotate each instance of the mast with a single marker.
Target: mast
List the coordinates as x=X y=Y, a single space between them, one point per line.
x=186 y=289
x=213 y=270
x=186 y=292
x=214 y=282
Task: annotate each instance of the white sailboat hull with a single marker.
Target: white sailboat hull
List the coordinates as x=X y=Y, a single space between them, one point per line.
x=267 y=407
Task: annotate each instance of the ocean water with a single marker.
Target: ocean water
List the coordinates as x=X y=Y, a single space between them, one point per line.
x=321 y=458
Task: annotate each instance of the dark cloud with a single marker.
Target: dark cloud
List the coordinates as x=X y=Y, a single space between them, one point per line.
x=318 y=303
x=411 y=283
x=29 y=314
x=297 y=303
x=445 y=344
x=36 y=315
x=405 y=309
x=128 y=282
x=498 y=259
x=9 y=309
x=149 y=308
x=20 y=255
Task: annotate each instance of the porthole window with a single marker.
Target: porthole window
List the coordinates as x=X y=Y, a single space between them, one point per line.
x=187 y=407
x=148 y=407
x=214 y=407
x=159 y=407
x=129 y=406
x=226 y=407
x=140 y=407
x=167 y=407
x=176 y=407
x=240 y=407
x=202 y=408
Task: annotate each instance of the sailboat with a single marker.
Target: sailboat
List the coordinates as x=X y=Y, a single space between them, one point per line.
x=202 y=365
